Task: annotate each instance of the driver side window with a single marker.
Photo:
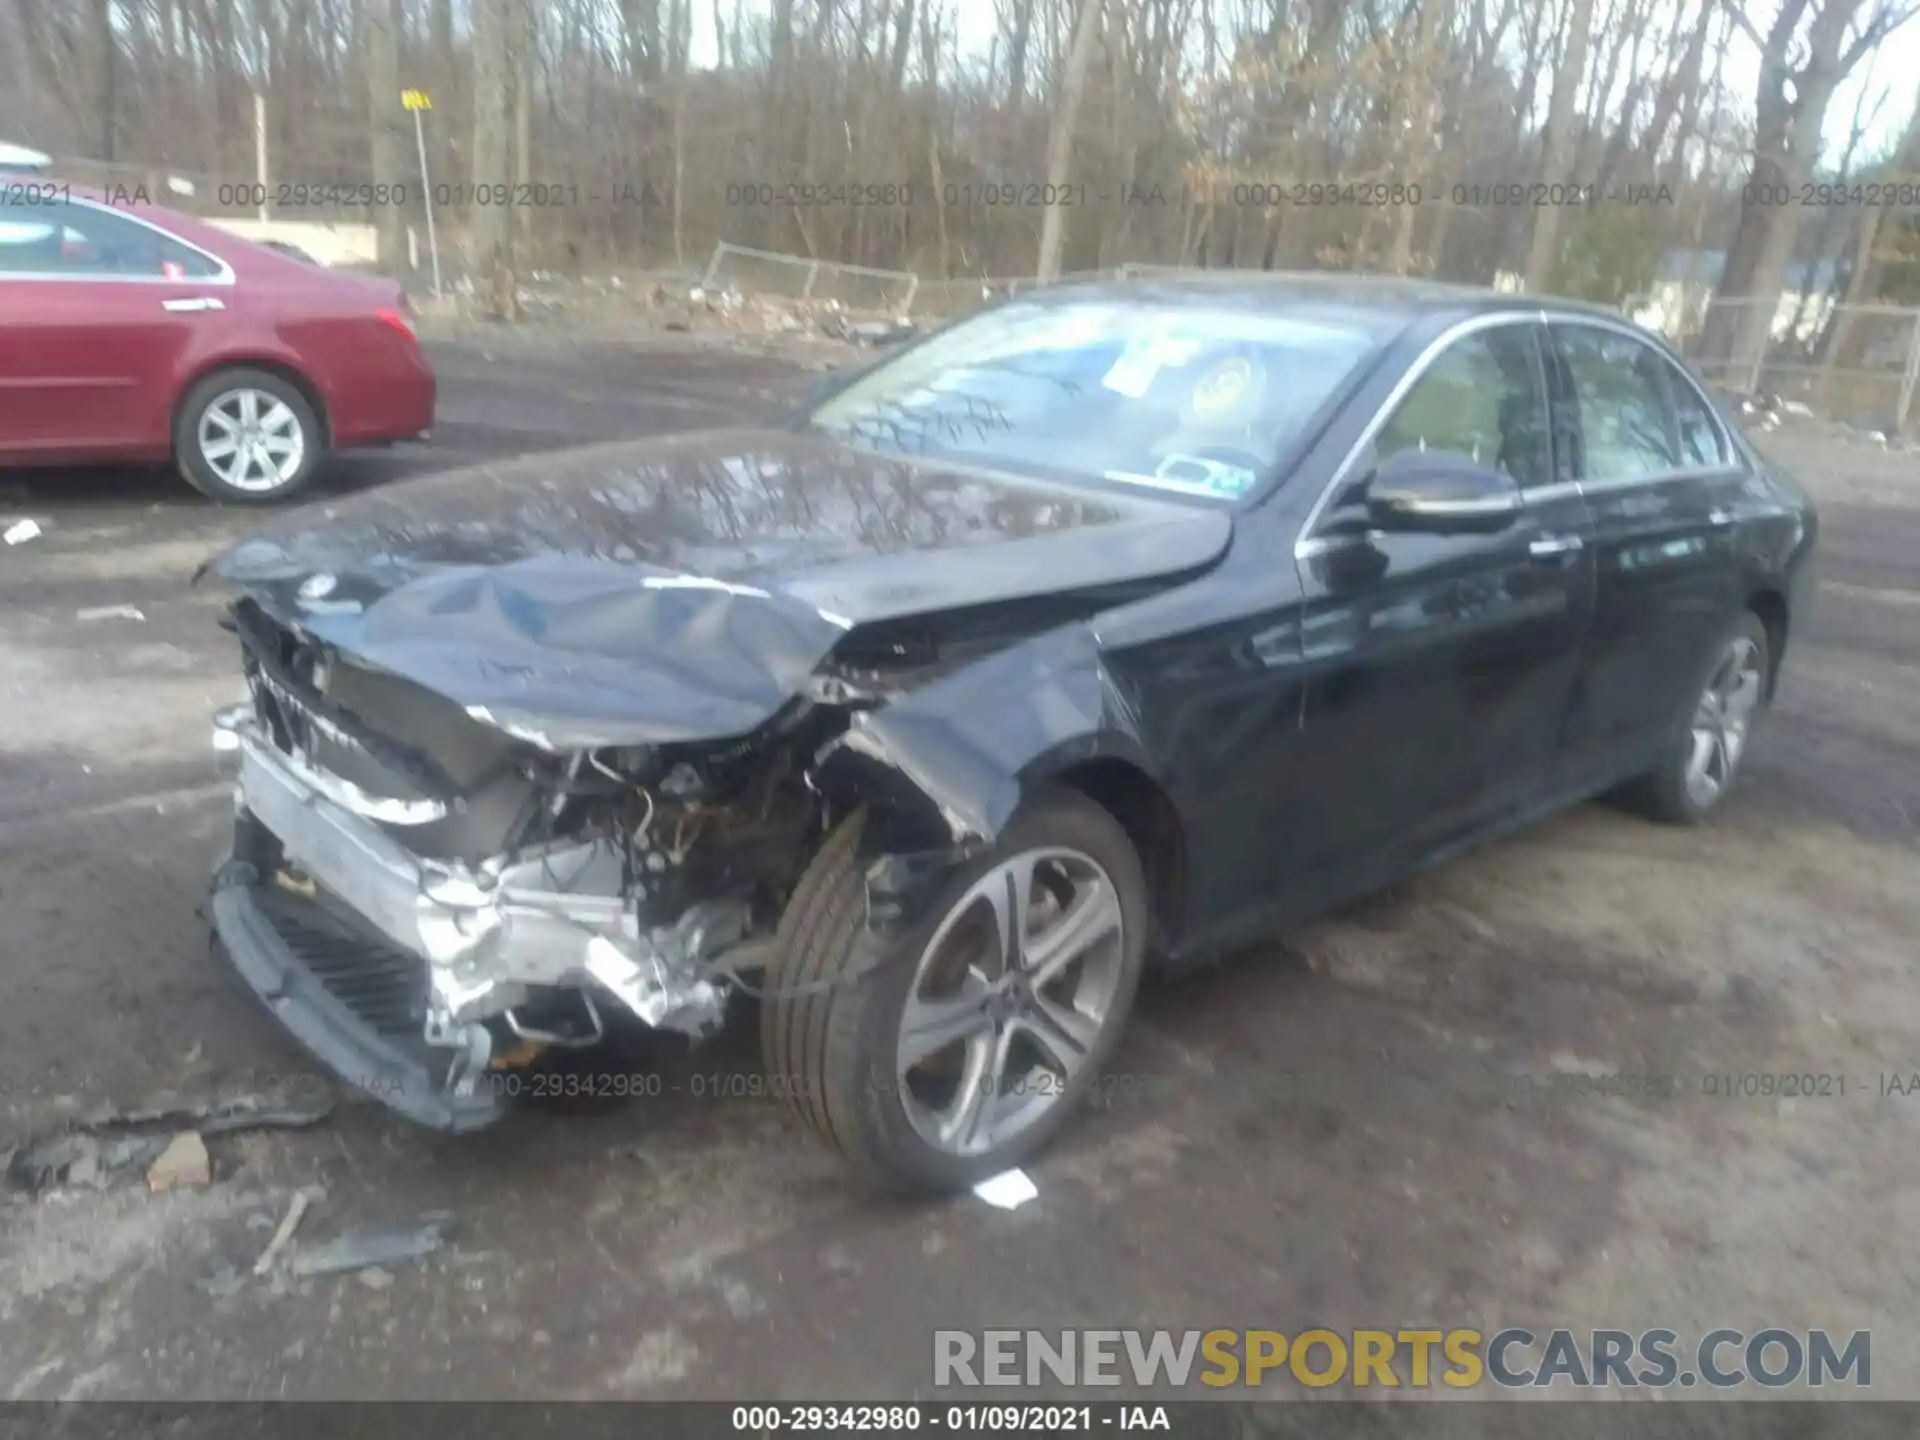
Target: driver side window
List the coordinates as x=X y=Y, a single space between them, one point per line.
x=1482 y=399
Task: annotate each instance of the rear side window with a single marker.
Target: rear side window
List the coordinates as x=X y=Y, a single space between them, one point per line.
x=1621 y=390
x=63 y=237
x=1703 y=445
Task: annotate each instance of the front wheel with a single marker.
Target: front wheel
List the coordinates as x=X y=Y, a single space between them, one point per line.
x=1704 y=749
x=943 y=1055
x=247 y=437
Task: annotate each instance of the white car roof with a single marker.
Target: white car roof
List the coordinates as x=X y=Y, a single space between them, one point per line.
x=19 y=157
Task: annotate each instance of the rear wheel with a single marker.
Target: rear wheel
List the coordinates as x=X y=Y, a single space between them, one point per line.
x=248 y=437
x=1703 y=752
x=943 y=1055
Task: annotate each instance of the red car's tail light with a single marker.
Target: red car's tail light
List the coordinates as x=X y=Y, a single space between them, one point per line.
x=398 y=320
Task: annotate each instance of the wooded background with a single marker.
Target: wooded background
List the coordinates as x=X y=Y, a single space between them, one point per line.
x=1152 y=110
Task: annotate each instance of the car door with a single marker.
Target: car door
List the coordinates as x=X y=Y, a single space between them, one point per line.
x=1438 y=666
x=1665 y=487
x=99 y=311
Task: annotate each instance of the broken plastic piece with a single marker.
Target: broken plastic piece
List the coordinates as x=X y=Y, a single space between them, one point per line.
x=183 y=1165
x=96 y=1152
x=373 y=1245
x=1008 y=1190
x=301 y=1200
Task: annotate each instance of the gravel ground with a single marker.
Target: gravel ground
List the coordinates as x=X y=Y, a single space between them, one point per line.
x=1309 y=1134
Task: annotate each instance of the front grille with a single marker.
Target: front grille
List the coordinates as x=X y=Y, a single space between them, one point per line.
x=285 y=673
x=385 y=987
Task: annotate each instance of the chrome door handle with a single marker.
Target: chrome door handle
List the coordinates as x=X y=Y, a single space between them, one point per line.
x=1555 y=545
x=190 y=306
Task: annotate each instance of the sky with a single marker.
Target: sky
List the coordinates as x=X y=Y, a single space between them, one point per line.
x=1893 y=72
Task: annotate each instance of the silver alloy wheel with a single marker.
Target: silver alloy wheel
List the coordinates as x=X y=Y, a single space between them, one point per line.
x=1009 y=999
x=252 y=440
x=1721 y=720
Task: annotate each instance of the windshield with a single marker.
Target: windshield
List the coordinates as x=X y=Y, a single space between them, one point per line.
x=1199 y=400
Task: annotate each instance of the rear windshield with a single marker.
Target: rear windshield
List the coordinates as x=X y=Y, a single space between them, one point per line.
x=1195 y=399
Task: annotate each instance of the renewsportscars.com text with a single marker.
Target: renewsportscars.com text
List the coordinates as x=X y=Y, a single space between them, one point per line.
x=1403 y=1358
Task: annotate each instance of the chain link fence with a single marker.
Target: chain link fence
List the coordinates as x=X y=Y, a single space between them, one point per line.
x=799 y=277
x=1855 y=363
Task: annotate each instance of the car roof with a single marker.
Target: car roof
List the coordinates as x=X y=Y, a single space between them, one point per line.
x=18 y=159
x=139 y=204
x=1387 y=298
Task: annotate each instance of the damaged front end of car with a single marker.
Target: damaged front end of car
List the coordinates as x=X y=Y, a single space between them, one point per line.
x=537 y=752
x=425 y=895
x=422 y=897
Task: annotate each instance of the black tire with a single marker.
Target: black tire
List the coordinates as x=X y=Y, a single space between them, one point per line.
x=200 y=472
x=1662 y=793
x=830 y=1050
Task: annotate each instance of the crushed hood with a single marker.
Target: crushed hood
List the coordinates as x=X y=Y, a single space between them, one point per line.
x=659 y=591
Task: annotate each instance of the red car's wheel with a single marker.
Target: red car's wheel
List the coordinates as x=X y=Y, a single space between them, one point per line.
x=247 y=437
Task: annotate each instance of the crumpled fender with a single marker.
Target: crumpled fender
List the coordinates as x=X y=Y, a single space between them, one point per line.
x=947 y=765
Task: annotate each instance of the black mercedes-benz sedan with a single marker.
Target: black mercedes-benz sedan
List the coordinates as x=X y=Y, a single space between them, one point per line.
x=1112 y=626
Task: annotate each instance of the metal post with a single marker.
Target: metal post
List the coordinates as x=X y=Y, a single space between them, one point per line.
x=426 y=196
x=713 y=265
x=1762 y=332
x=1908 y=380
x=813 y=273
x=260 y=149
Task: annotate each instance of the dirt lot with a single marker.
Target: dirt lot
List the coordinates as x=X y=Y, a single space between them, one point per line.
x=1334 y=1130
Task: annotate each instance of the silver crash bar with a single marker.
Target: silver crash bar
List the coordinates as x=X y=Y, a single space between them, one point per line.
x=488 y=933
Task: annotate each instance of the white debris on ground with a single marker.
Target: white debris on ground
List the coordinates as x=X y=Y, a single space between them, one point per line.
x=678 y=303
x=1768 y=413
x=295 y=1210
x=20 y=532
x=183 y=1164
x=1008 y=1190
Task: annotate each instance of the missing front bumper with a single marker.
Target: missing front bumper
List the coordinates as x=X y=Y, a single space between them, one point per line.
x=352 y=1001
x=402 y=974
x=491 y=935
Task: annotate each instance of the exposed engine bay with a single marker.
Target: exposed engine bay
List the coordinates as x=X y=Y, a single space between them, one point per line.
x=540 y=751
x=534 y=885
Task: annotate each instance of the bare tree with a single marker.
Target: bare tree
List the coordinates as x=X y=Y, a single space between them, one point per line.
x=488 y=230
x=1789 y=113
x=1066 y=116
x=380 y=28
x=1556 y=157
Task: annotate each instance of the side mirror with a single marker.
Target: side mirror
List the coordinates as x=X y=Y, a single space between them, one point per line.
x=1441 y=492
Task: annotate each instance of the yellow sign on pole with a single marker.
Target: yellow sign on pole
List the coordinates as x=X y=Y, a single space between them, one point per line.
x=415 y=100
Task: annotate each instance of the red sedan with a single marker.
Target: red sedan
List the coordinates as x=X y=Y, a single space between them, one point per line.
x=131 y=333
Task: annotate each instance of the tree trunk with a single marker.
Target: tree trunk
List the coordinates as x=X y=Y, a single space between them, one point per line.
x=488 y=231
x=1421 y=119
x=1543 y=256
x=902 y=30
x=520 y=62
x=1017 y=52
x=1787 y=140
x=109 y=77
x=386 y=133
x=1681 y=85
x=1863 y=279
x=1066 y=114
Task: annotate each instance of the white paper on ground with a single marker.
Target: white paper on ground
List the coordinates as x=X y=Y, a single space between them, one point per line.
x=19 y=534
x=1010 y=1189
